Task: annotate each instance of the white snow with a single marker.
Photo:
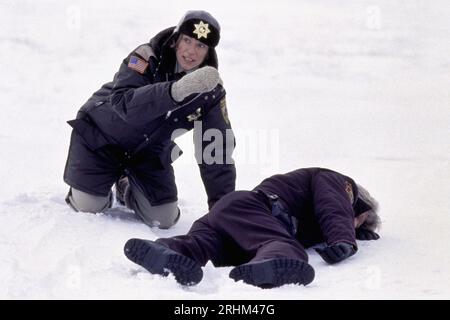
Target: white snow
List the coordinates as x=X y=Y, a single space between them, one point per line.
x=361 y=87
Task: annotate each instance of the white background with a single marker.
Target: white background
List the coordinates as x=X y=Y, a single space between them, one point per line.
x=361 y=87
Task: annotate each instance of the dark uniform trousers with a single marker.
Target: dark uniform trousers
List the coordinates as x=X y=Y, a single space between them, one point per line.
x=95 y=170
x=240 y=228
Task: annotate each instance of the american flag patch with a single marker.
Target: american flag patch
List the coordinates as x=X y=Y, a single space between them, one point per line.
x=137 y=64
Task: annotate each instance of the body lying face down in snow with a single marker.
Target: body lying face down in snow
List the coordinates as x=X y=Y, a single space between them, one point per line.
x=263 y=233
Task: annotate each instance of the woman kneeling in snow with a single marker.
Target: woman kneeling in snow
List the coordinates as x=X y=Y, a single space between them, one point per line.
x=264 y=232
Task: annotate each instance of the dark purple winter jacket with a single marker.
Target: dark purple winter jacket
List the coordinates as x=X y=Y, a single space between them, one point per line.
x=322 y=200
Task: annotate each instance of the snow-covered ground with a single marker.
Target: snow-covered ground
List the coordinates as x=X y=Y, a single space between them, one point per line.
x=362 y=87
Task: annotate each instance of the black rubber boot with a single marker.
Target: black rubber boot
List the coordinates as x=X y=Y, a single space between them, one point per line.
x=159 y=259
x=273 y=273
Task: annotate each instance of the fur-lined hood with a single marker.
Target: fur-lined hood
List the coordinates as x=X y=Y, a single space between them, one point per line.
x=366 y=203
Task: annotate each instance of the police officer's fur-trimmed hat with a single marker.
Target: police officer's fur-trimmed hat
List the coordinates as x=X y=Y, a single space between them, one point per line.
x=201 y=26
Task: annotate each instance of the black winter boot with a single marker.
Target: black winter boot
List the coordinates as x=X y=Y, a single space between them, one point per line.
x=159 y=259
x=274 y=272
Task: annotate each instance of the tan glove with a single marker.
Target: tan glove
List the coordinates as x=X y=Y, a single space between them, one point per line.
x=199 y=81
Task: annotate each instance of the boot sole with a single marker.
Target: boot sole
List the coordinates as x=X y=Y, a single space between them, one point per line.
x=274 y=273
x=158 y=259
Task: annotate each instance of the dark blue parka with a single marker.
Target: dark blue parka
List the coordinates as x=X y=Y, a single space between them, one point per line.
x=133 y=119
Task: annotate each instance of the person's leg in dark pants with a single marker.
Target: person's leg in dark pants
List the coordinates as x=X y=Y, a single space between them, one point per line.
x=202 y=243
x=275 y=256
x=90 y=172
x=151 y=193
x=184 y=255
x=246 y=218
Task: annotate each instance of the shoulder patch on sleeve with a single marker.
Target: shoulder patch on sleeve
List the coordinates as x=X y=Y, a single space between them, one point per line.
x=145 y=51
x=137 y=64
x=349 y=191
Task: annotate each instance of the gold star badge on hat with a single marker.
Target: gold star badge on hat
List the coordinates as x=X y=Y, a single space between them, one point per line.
x=201 y=30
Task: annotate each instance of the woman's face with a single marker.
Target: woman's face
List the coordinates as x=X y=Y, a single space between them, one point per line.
x=190 y=52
